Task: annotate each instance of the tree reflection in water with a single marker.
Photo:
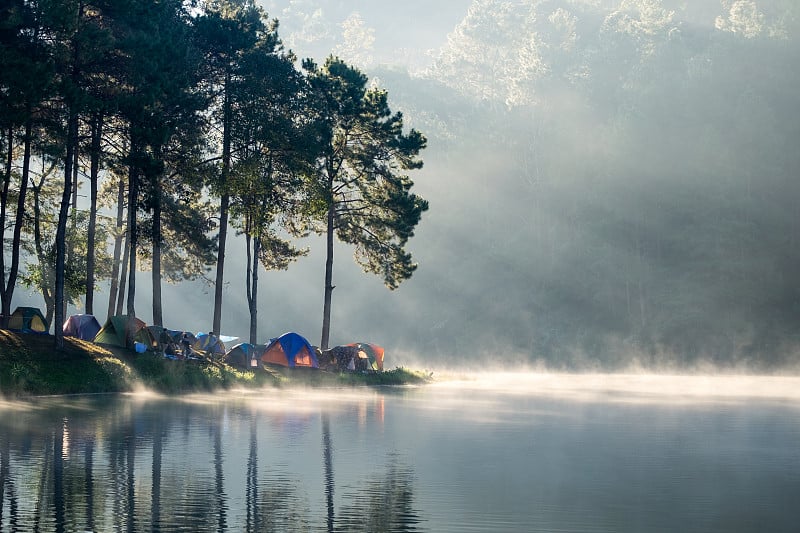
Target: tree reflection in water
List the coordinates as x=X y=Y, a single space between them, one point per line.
x=384 y=502
x=327 y=453
x=122 y=464
x=251 y=492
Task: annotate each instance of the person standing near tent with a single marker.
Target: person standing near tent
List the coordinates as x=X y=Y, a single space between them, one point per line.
x=165 y=342
x=186 y=344
x=211 y=346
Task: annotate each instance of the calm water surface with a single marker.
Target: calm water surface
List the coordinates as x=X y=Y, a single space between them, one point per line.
x=489 y=453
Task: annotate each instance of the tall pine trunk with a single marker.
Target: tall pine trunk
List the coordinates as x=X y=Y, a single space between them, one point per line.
x=218 y=281
x=326 y=309
x=223 y=206
x=119 y=239
x=123 y=274
x=47 y=282
x=97 y=129
x=3 y=211
x=132 y=238
x=61 y=231
x=13 y=272
x=252 y=284
x=158 y=318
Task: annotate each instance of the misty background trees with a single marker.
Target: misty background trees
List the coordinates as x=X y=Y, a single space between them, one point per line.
x=630 y=175
x=611 y=182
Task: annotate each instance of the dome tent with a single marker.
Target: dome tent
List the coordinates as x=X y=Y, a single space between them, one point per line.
x=290 y=350
x=244 y=355
x=372 y=353
x=28 y=320
x=83 y=327
x=113 y=331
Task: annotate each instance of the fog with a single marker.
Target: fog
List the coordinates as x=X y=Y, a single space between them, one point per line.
x=612 y=183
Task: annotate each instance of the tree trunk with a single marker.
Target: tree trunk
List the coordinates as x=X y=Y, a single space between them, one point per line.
x=119 y=238
x=218 y=281
x=223 y=207
x=132 y=237
x=3 y=203
x=44 y=261
x=326 y=309
x=61 y=231
x=97 y=129
x=158 y=318
x=123 y=274
x=75 y=182
x=252 y=285
x=11 y=283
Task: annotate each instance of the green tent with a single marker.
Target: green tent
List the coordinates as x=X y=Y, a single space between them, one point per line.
x=28 y=320
x=113 y=332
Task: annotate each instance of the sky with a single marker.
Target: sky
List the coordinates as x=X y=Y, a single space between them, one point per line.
x=612 y=184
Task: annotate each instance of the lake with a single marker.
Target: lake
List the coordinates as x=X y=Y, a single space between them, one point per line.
x=494 y=452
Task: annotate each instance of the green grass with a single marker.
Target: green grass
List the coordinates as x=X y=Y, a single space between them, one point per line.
x=29 y=365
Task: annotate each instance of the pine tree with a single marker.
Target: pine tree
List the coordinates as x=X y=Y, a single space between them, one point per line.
x=362 y=194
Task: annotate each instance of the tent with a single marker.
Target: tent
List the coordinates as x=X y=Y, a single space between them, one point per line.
x=372 y=353
x=209 y=344
x=177 y=338
x=340 y=358
x=113 y=331
x=149 y=336
x=155 y=338
x=81 y=326
x=291 y=350
x=28 y=320
x=244 y=355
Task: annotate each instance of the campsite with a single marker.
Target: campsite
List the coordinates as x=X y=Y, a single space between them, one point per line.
x=96 y=360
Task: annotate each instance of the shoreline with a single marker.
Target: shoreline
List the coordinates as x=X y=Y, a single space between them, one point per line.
x=31 y=367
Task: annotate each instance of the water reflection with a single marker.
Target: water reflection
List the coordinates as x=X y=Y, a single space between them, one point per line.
x=384 y=502
x=166 y=465
x=327 y=453
x=529 y=453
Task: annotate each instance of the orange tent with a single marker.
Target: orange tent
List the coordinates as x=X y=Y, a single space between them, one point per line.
x=292 y=350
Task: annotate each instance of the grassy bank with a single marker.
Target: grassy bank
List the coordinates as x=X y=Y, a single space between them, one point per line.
x=29 y=365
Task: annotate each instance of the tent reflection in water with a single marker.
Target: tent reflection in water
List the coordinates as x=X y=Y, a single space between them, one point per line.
x=290 y=350
x=28 y=320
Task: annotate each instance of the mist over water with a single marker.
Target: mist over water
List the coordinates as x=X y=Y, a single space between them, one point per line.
x=629 y=388
x=471 y=452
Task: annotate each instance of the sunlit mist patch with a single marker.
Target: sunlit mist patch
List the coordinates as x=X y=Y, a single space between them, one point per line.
x=630 y=388
x=296 y=400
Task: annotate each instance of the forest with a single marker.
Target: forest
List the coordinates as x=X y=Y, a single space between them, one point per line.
x=185 y=119
x=627 y=185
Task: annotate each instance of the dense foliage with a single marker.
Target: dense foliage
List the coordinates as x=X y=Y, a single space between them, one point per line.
x=166 y=108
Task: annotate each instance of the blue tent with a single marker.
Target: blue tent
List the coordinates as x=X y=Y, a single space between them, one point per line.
x=292 y=350
x=84 y=327
x=209 y=344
